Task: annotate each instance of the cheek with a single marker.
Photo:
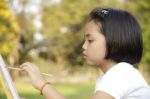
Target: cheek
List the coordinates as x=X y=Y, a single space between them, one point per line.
x=98 y=52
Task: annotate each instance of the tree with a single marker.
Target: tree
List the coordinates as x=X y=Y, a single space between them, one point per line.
x=144 y=15
x=9 y=34
x=9 y=40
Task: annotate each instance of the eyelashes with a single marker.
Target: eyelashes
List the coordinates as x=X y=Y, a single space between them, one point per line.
x=90 y=41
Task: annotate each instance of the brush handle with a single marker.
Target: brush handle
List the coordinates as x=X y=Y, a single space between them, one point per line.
x=13 y=68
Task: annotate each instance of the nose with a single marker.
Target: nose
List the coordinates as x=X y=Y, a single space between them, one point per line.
x=84 y=46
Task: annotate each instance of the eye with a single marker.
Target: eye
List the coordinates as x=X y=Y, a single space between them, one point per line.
x=90 y=41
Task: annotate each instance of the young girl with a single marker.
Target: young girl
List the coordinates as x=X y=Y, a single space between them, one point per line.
x=113 y=42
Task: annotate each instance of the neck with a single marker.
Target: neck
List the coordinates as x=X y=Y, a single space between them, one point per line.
x=106 y=65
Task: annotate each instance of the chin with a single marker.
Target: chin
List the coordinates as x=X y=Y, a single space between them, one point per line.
x=90 y=63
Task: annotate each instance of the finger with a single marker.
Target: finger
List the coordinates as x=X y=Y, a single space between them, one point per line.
x=26 y=68
x=28 y=65
x=30 y=68
x=34 y=66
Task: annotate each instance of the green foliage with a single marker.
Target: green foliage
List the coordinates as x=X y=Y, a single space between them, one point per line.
x=63 y=29
x=9 y=31
x=6 y=28
x=69 y=15
x=144 y=14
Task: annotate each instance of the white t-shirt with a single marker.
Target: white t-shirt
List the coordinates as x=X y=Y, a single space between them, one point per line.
x=123 y=81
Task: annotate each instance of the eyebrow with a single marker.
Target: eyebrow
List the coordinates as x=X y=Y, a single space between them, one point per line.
x=87 y=35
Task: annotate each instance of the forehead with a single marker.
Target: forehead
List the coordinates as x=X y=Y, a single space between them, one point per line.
x=92 y=28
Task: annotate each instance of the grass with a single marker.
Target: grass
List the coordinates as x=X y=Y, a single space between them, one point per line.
x=71 y=91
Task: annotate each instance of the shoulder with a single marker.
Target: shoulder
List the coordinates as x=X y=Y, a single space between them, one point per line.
x=123 y=72
x=116 y=80
x=118 y=74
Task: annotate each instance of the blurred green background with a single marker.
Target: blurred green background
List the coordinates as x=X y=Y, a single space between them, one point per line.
x=49 y=33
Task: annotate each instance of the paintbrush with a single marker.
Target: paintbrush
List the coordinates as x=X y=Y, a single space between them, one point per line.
x=13 y=68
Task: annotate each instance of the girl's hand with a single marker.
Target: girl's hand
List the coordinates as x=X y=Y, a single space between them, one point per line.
x=34 y=73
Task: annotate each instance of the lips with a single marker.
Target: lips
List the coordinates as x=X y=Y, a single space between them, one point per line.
x=84 y=55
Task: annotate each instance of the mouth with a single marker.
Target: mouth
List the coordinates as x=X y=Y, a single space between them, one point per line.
x=84 y=55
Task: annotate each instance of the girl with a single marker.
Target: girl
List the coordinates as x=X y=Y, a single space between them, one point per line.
x=113 y=42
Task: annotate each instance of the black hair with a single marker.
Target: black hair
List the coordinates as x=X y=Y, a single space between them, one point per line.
x=122 y=33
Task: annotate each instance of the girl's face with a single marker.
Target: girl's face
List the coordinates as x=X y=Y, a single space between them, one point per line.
x=94 y=47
